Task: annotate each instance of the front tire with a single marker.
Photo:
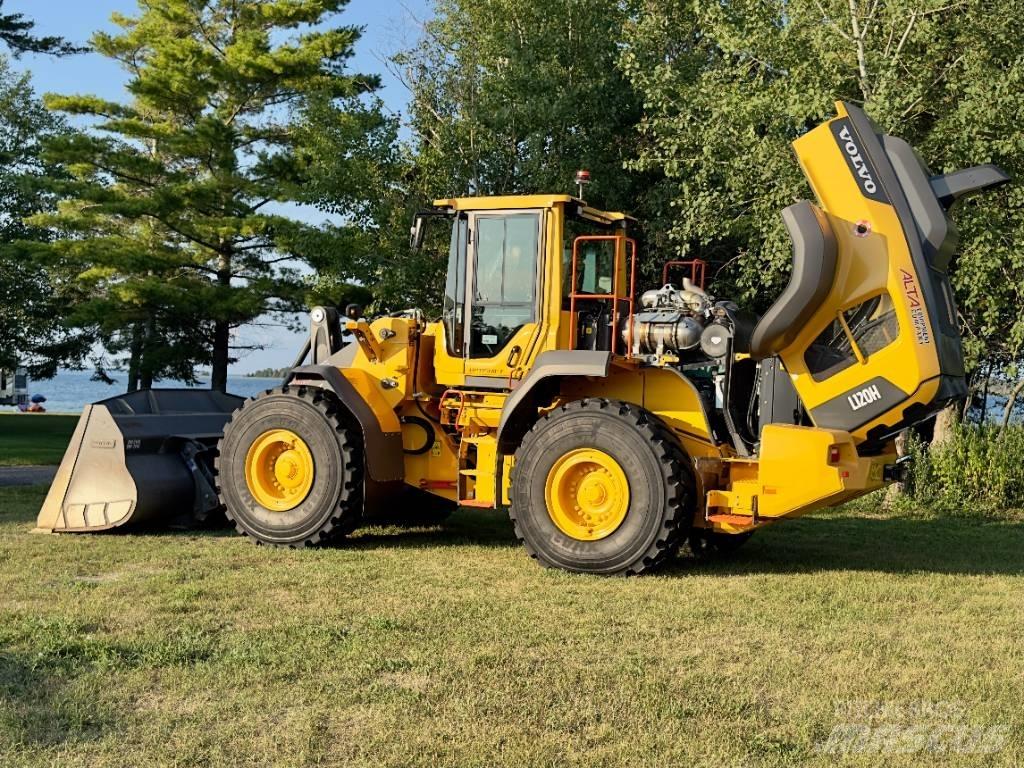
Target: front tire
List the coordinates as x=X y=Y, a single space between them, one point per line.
x=601 y=486
x=290 y=469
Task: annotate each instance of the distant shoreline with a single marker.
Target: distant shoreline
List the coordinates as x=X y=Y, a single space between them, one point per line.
x=70 y=391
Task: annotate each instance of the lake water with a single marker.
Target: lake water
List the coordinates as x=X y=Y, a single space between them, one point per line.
x=70 y=391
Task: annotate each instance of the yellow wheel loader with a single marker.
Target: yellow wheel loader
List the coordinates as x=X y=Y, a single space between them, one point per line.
x=613 y=424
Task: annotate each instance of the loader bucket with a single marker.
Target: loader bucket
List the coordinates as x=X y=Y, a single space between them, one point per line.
x=144 y=457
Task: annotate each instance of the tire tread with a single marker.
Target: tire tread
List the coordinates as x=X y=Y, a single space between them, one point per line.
x=675 y=468
x=348 y=510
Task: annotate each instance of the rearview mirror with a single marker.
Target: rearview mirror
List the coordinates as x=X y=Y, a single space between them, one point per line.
x=416 y=233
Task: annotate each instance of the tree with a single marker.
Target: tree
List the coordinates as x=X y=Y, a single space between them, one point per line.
x=728 y=86
x=136 y=293
x=511 y=96
x=32 y=298
x=180 y=182
x=355 y=167
x=16 y=33
x=507 y=97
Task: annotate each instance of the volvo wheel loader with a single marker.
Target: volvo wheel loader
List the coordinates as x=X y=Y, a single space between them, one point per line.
x=613 y=424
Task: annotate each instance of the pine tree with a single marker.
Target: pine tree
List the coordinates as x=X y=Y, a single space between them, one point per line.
x=33 y=329
x=16 y=32
x=172 y=197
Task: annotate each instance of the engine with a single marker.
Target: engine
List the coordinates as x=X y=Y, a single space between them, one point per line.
x=686 y=322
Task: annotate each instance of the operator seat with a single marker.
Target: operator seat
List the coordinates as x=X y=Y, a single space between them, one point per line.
x=814 y=270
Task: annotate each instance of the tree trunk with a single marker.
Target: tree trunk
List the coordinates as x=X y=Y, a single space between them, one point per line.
x=1010 y=401
x=966 y=410
x=945 y=421
x=135 y=358
x=984 y=395
x=146 y=361
x=221 y=339
x=221 y=333
x=897 y=489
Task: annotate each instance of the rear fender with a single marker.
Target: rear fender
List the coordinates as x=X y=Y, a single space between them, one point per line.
x=381 y=430
x=540 y=385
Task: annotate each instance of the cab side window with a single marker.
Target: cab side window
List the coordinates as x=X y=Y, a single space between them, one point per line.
x=455 y=288
x=505 y=290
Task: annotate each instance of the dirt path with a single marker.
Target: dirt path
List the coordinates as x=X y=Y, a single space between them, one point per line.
x=26 y=475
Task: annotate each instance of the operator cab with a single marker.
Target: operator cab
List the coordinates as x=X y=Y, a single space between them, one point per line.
x=509 y=286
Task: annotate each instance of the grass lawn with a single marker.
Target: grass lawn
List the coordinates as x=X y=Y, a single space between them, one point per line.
x=448 y=646
x=37 y=438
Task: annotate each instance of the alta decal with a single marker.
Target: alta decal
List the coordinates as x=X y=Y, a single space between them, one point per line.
x=917 y=316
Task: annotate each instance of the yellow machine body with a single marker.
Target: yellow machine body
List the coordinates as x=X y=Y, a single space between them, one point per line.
x=791 y=475
x=602 y=415
x=793 y=469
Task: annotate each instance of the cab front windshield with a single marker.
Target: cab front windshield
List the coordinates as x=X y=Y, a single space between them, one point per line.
x=505 y=249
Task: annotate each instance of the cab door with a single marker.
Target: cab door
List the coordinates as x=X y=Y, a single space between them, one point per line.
x=503 y=288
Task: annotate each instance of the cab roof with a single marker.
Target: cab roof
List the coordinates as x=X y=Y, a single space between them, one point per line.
x=499 y=202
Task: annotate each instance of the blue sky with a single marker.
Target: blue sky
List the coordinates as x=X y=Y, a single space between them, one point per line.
x=389 y=25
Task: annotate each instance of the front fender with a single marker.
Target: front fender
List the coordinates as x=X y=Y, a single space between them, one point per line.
x=381 y=430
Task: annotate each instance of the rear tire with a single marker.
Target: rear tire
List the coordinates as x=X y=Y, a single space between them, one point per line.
x=620 y=442
x=332 y=505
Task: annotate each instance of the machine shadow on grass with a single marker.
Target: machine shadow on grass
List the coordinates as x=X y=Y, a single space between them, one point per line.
x=953 y=546
x=944 y=545
x=811 y=544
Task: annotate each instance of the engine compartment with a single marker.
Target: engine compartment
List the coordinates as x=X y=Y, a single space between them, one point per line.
x=685 y=325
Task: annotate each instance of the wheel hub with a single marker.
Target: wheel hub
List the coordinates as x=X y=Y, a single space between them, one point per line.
x=587 y=494
x=279 y=470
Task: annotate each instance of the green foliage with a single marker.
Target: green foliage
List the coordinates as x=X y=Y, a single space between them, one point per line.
x=508 y=97
x=975 y=470
x=16 y=33
x=355 y=172
x=728 y=86
x=170 y=209
x=32 y=327
x=511 y=97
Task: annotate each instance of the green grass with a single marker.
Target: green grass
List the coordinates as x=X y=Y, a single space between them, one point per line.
x=36 y=438
x=448 y=646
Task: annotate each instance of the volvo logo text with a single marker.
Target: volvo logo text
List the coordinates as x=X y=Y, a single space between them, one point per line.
x=860 y=167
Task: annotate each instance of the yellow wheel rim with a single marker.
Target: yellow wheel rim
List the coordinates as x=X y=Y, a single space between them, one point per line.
x=279 y=470
x=587 y=494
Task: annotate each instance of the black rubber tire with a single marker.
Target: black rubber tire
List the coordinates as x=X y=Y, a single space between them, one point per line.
x=713 y=545
x=333 y=507
x=660 y=483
